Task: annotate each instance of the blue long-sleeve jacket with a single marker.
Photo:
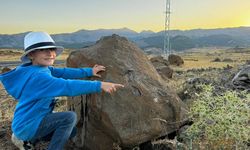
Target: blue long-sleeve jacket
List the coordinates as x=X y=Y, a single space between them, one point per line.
x=34 y=87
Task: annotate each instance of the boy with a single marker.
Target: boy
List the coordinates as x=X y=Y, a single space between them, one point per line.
x=35 y=83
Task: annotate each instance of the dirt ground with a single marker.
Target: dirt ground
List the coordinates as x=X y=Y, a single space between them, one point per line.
x=6 y=109
x=192 y=59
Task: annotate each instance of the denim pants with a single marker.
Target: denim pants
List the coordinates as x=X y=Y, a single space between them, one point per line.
x=58 y=128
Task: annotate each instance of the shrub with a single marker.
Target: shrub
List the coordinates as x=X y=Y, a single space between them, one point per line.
x=220 y=121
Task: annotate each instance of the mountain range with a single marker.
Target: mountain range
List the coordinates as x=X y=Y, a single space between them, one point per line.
x=179 y=39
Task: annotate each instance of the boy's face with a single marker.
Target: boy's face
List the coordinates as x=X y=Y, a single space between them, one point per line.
x=43 y=57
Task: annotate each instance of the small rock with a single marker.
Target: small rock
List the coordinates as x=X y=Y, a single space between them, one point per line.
x=5 y=69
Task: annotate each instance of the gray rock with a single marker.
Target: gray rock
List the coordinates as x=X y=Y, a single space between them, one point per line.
x=3 y=132
x=242 y=79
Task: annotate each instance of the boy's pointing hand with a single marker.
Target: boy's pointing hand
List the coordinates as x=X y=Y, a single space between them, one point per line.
x=110 y=87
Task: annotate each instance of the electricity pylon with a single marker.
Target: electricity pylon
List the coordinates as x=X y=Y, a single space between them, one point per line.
x=166 y=47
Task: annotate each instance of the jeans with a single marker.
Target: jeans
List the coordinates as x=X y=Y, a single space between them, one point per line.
x=58 y=128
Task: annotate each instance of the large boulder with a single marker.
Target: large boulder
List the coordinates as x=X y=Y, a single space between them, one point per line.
x=145 y=109
x=175 y=60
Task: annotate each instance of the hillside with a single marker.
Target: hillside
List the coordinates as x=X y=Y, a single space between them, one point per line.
x=179 y=40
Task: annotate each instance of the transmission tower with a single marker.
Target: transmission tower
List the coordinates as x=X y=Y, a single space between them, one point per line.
x=167 y=47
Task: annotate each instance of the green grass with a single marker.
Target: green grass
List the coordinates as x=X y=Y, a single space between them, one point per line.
x=220 y=121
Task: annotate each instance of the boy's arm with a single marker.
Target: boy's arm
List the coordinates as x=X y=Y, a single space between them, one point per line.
x=71 y=73
x=45 y=85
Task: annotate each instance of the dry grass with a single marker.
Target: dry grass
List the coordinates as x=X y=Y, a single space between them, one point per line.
x=204 y=59
x=7 y=105
x=10 y=55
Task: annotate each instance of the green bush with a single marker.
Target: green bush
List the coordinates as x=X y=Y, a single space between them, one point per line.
x=220 y=120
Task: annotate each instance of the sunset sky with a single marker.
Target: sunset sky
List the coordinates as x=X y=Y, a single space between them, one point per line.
x=63 y=16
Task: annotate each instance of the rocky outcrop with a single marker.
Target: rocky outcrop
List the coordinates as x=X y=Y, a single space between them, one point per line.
x=147 y=108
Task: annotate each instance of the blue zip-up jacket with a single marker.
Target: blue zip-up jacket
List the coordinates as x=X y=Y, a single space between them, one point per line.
x=34 y=87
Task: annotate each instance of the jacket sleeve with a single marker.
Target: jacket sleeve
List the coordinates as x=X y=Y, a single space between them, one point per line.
x=71 y=73
x=45 y=85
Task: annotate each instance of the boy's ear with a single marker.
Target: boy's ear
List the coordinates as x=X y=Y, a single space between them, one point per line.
x=30 y=55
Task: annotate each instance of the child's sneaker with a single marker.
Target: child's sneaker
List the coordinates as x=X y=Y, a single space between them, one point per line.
x=22 y=145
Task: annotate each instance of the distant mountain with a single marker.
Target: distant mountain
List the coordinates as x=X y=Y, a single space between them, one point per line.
x=146 y=33
x=73 y=40
x=180 y=40
x=219 y=40
x=12 y=41
x=92 y=35
x=234 y=32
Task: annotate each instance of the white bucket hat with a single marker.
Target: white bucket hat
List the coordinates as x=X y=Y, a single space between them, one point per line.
x=38 y=40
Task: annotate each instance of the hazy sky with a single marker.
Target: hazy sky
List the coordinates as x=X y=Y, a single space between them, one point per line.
x=61 y=16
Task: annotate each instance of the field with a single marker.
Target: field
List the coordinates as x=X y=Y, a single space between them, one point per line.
x=204 y=58
x=14 y=55
x=193 y=59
